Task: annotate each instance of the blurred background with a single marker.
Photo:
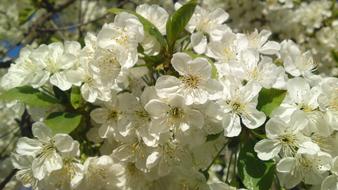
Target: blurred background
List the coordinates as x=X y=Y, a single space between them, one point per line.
x=312 y=24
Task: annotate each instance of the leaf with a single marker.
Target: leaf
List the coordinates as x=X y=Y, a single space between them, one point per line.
x=178 y=20
x=29 y=96
x=63 y=122
x=25 y=14
x=75 y=97
x=212 y=137
x=147 y=25
x=269 y=99
x=254 y=173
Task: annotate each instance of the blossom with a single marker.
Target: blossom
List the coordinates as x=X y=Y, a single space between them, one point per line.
x=203 y=22
x=46 y=149
x=259 y=42
x=172 y=114
x=195 y=83
x=282 y=138
x=309 y=164
x=301 y=97
x=238 y=103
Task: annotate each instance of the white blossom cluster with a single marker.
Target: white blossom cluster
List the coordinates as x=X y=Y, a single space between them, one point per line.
x=311 y=23
x=152 y=122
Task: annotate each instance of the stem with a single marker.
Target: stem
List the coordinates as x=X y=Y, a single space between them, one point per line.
x=214 y=159
x=7 y=179
x=228 y=168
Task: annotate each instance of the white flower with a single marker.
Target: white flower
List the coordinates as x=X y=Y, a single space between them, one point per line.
x=258 y=69
x=92 y=86
x=238 y=104
x=195 y=83
x=172 y=114
x=126 y=32
x=328 y=101
x=301 y=97
x=101 y=173
x=259 y=42
x=25 y=71
x=46 y=149
x=134 y=151
x=307 y=165
x=331 y=182
x=25 y=173
x=296 y=63
x=283 y=138
x=56 y=58
x=155 y=14
x=226 y=52
x=66 y=178
x=158 y=17
x=203 y=22
x=116 y=116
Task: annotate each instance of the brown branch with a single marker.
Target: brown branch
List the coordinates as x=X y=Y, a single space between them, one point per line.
x=32 y=32
x=7 y=179
x=72 y=26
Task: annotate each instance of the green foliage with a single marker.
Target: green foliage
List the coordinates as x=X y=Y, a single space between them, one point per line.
x=213 y=136
x=147 y=25
x=254 y=173
x=75 y=97
x=178 y=20
x=29 y=96
x=269 y=99
x=63 y=122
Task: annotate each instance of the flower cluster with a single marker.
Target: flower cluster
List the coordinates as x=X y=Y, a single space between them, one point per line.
x=157 y=107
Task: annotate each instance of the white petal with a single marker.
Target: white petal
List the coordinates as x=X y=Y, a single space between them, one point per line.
x=195 y=118
x=286 y=165
x=27 y=146
x=63 y=142
x=218 y=16
x=99 y=115
x=267 y=149
x=152 y=160
x=60 y=80
x=330 y=183
x=199 y=42
x=167 y=86
x=275 y=127
x=231 y=124
x=180 y=62
x=298 y=88
x=270 y=48
x=200 y=67
x=53 y=161
x=253 y=118
x=156 y=107
x=41 y=131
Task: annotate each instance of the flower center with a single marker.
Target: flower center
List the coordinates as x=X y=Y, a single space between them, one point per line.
x=176 y=113
x=191 y=81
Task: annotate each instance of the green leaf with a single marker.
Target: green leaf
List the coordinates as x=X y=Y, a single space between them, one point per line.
x=212 y=137
x=178 y=20
x=254 y=173
x=63 y=122
x=25 y=14
x=269 y=99
x=75 y=97
x=147 y=25
x=29 y=96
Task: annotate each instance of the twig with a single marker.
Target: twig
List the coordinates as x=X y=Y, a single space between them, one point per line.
x=7 y=179
x=218 y=153
x=71 y=26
